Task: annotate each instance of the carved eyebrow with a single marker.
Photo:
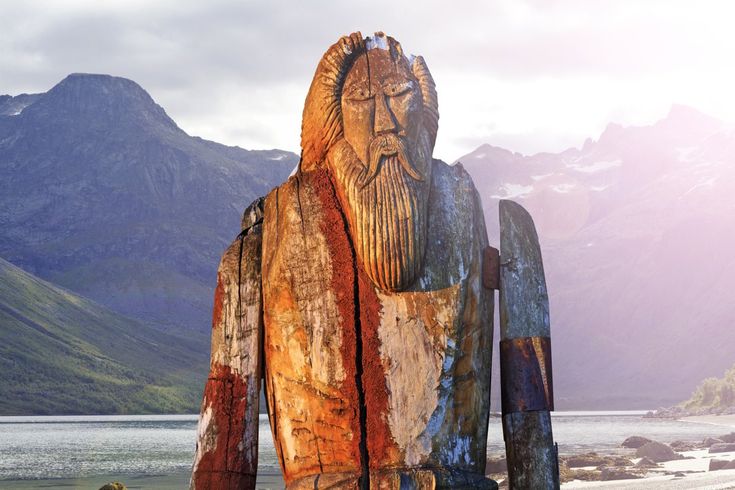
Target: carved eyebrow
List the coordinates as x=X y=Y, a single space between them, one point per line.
x=358 y=91
x=397 y=87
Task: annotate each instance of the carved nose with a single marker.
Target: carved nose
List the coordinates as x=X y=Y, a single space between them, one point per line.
x=383 y=117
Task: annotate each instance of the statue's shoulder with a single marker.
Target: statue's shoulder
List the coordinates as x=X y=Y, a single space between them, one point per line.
x=252 y=217
x=452 y=182
x=266 y=205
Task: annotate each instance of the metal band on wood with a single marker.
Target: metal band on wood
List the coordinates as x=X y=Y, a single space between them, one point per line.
x=525 y=374
x=491 y=268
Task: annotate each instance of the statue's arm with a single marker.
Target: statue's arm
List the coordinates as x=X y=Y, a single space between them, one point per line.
x=227 y=436
x=525 y=354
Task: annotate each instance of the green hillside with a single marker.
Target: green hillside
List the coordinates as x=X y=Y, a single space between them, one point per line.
x=713 y=395
x=64 y=354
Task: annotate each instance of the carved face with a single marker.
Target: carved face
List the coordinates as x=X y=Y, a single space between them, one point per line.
x=381 y=102
x=383 y=167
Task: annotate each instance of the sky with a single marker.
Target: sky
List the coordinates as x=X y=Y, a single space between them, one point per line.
x=529 y=76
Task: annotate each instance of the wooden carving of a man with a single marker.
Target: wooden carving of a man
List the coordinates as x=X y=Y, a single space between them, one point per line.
x=355 y=294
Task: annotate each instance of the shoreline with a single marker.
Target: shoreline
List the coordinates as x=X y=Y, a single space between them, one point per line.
x=175 y=481
x=577 y=434
x=723 y=420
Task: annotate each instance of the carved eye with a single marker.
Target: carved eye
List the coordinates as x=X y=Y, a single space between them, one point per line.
x=400 y=88
x=358 y=92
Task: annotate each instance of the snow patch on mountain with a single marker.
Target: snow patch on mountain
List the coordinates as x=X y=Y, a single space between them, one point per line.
x=595 y=166
x=513 y=190
x=563 y=188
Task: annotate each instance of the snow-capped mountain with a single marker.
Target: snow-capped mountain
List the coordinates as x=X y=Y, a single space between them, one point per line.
x=638 y=235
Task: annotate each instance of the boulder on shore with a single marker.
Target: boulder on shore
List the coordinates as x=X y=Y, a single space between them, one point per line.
x=683 y=446
x=709 y=441
x=722 y=448
x=717 y=464
x=728 y=437
x=634 y=442
x=657 y=452
x=596 y=460
x=567 y=474
x=608 y=474
x=646 y=463
x=115 y=485
x=496 y=465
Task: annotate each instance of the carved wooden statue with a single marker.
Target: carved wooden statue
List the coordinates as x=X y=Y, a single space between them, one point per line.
x=356 y=293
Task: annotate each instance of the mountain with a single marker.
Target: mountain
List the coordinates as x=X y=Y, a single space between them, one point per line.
x=102 y=193
x=64 y=354
x=637 y=232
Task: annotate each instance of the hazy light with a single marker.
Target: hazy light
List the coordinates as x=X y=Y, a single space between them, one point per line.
x=530 y=76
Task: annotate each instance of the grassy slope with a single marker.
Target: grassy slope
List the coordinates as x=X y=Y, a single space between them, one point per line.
x=713 y=395
x=63 y=354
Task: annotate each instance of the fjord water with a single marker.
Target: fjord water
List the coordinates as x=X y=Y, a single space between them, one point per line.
x=156 y=451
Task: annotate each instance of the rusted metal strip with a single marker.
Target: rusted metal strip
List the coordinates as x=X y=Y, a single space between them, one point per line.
x=525 y=374
x=491 y=268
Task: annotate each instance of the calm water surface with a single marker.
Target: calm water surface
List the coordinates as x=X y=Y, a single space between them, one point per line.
x=38 y=448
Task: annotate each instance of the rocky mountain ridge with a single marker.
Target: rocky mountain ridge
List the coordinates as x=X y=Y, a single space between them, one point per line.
x=101 y=192
x=637 y=233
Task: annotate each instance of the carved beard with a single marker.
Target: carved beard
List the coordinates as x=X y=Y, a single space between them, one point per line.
x=386 y=206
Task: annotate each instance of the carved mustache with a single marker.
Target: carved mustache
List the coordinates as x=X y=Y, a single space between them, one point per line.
x=389 y=145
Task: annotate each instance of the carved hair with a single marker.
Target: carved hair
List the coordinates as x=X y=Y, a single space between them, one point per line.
x=321 y=125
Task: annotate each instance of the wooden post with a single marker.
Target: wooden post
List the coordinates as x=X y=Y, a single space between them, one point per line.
x=525 y=354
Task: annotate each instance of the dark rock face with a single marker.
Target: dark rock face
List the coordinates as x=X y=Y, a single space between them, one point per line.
x=719 y=464
x=116 y=485
x=634 y=442
x=101 y=192
x=12 y=106
x=722 y=448
x=594 y=459
x=711 y=441
x=683 y=446
x=728 y=437
x=657 y=452
x=646 y=463
x=496 y=465
x=608 y=474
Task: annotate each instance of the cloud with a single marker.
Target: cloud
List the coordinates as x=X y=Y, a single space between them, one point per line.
x=536 y=75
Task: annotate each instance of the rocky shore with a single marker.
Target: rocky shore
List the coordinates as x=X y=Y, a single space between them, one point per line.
x=641 y=458
x=679 y=412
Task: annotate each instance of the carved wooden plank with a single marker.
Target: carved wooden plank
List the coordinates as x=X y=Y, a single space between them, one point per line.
x=524 y=316
x=407 y=372
x=227 y=435
x=310 y=338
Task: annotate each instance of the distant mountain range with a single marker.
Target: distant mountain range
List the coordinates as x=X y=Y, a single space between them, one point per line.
x=101 y=193
x=64 y=354
x=638 y=236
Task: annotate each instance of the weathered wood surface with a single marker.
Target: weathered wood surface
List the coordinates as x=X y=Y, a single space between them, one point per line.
x=524 y=315
x=227 y=435
x=376 y=327
x=356 y=376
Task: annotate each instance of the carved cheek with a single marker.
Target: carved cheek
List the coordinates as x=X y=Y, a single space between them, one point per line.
x=408 y=113
x=357 y=117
